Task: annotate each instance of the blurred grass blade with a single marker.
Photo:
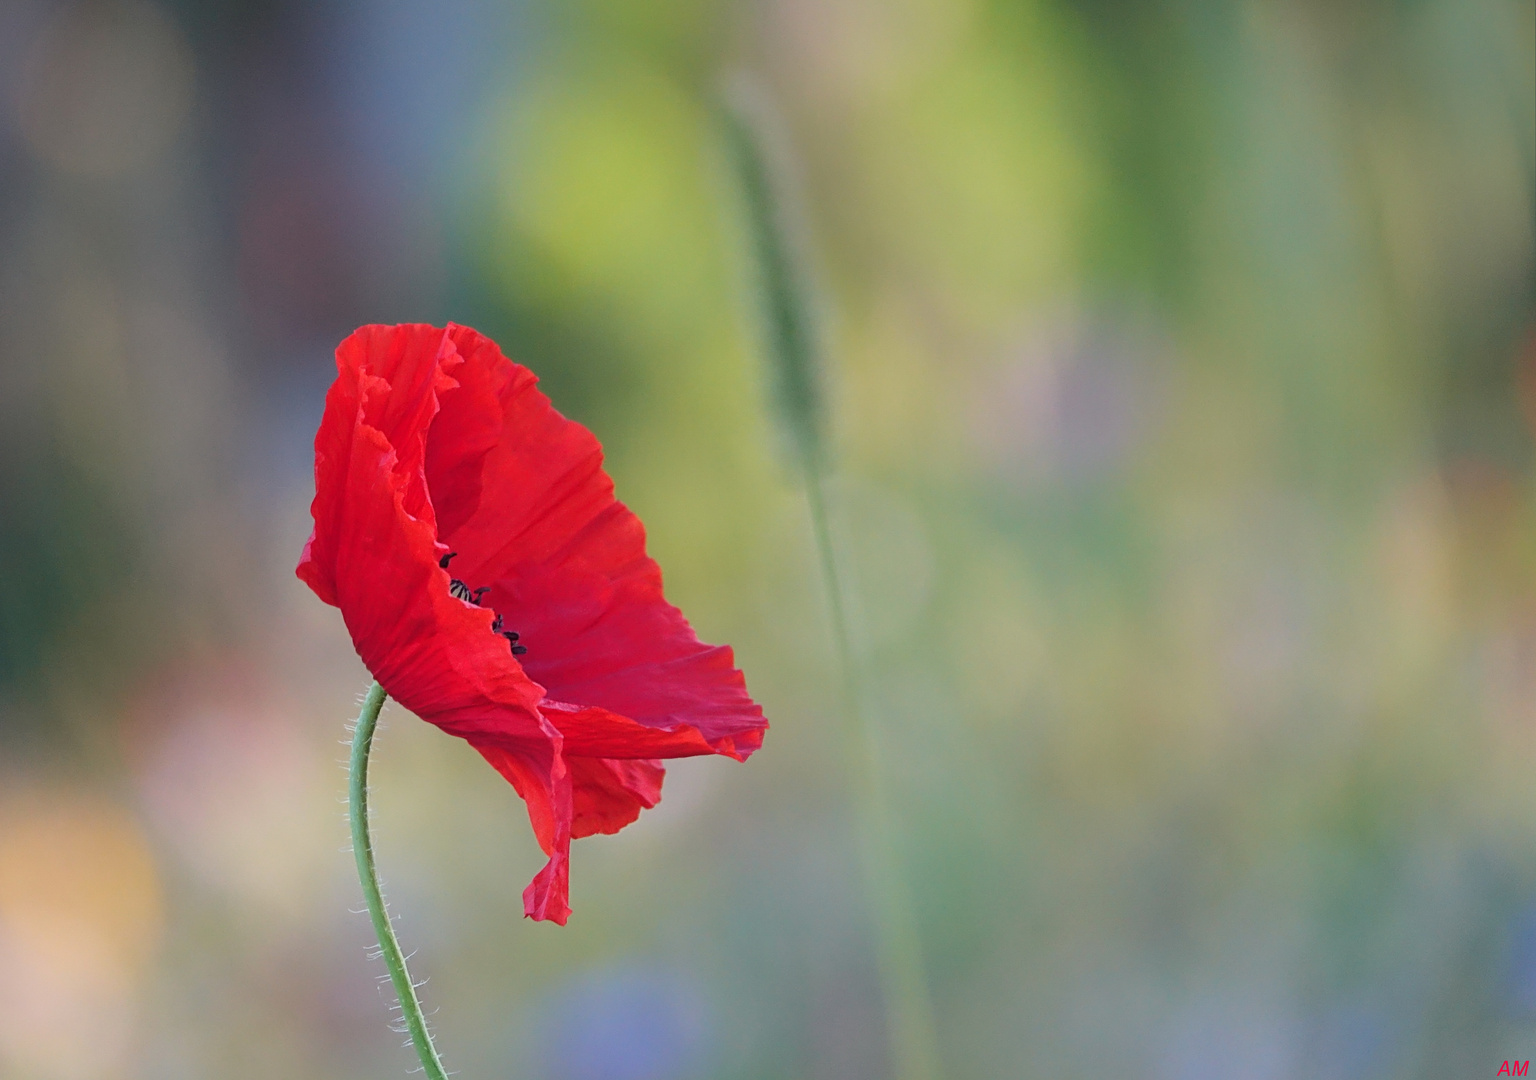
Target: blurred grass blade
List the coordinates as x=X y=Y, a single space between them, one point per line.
x=784 y=299
x=785 y=304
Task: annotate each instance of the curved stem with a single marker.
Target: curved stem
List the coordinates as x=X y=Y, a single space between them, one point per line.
x=367 y=872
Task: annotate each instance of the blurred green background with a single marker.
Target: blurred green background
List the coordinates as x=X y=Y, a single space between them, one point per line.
x=1183 y=358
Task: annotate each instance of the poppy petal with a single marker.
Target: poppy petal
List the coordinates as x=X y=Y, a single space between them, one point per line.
x=549 y=809
x=377 y=560
x=433 y=447
x=567 y=568
x=608 y=794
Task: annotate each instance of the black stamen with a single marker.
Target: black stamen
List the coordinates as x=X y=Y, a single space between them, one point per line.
x=461 y=591
x=443 y=562
x=511 y=636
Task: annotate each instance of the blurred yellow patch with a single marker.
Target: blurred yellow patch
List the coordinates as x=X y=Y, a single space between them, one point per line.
x=980 y=184
x=80 y=916
x=602 y=170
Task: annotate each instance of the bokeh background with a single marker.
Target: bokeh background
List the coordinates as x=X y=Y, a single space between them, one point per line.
x=1183 y=366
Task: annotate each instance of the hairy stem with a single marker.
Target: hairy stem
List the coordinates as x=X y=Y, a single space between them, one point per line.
x=368 y=874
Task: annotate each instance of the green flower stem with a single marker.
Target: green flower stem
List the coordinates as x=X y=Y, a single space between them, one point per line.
x=368 y=874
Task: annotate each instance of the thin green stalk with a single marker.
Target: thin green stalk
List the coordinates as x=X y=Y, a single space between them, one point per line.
x=368 y=874
x=786 y=308
x=910 y=1028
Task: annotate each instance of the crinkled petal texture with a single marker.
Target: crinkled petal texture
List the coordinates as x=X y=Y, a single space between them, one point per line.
x=434 y=443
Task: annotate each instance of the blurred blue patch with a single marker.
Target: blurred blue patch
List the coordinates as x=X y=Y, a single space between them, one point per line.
x=412 y=78
x=1352 y=1040
x=1520 y=963
x=1231 y=1036
x=627 y=1023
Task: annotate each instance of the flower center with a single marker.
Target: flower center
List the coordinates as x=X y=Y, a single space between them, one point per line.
x=463 y=592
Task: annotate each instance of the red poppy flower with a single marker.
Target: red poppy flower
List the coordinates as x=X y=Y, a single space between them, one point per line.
x=495 y=587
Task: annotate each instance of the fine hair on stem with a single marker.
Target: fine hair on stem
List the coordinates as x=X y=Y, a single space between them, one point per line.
x=412 y=1019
